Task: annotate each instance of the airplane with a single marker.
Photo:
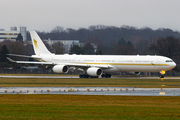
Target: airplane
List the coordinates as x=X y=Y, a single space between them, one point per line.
x=94 y=66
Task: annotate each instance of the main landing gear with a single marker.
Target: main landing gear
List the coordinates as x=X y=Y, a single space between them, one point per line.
x=106 y=75
x=87 y=76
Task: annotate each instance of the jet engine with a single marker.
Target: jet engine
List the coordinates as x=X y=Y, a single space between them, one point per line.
x=60 y=69
x=133 y=73
x=94 y=71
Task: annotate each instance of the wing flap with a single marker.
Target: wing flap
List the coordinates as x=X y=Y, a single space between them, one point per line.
x=29 y=62
x=84 y=65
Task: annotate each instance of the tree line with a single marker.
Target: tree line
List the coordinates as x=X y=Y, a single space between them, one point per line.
x=106 y=38
x=107 y=34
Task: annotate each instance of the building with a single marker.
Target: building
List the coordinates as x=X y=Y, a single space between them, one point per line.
x=10 y=35
x=23 y=33
x=13 y=33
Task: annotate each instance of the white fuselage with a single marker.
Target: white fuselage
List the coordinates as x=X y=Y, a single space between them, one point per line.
x=116 y=63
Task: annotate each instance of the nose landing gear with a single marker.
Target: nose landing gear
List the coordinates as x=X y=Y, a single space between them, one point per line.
x=162 y=74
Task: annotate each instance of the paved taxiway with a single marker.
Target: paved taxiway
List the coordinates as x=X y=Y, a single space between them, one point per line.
x=73 y=76
x=92 y=91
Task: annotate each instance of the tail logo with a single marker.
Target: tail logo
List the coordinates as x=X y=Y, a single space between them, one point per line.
x=35 y=44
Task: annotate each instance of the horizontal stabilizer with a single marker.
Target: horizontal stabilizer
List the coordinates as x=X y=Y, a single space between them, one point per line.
x=33 y=56
x=29 y=62
x=19 y=55
x=10 y=59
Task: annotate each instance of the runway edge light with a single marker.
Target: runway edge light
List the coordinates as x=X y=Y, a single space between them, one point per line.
x=162 y=93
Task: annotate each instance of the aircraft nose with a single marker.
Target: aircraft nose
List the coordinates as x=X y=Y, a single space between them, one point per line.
x=173 y=65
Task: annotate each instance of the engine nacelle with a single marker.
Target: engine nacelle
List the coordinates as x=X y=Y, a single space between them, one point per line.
x=133 y=73
x=94 y=71
x=60 y=69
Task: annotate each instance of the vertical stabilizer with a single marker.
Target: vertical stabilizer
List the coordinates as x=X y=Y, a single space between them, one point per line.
x=38 y=45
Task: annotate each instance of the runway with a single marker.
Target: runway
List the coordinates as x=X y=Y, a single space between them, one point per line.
x=124 y=91
x=75 y=76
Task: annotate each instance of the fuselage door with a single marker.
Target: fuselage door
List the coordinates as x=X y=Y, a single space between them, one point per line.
x=157 y=62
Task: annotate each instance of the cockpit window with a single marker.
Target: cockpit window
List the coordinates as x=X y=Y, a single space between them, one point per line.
x=169 y=61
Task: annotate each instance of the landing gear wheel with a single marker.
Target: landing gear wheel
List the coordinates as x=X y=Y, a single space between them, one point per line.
x=93 y=76
x=80 y=76
x=161 y=76
x=87 y=76
x=102 y=75
x=106 y=75
x=84 y=76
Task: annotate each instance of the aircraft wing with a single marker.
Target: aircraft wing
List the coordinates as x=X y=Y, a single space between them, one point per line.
x=67 y=64
x=29 y=62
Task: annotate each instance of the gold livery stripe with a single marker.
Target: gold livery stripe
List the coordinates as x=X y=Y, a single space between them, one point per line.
x=120 y=64
x=125 y=64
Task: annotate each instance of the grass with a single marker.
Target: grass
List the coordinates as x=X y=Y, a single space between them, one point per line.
x=88 y=107
x=37 y=75
x=75 y=107
x=113 y=82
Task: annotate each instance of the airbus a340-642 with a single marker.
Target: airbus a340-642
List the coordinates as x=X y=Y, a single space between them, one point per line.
x=96 y=65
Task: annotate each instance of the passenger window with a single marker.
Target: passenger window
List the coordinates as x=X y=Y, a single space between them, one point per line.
x=169 y=61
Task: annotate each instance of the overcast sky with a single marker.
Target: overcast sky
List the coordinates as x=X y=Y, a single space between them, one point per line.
x=44 y=15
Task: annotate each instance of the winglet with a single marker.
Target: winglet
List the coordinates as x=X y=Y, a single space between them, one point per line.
x=10 y=59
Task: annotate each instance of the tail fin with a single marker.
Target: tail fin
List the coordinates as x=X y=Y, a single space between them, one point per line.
x=38 y=45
